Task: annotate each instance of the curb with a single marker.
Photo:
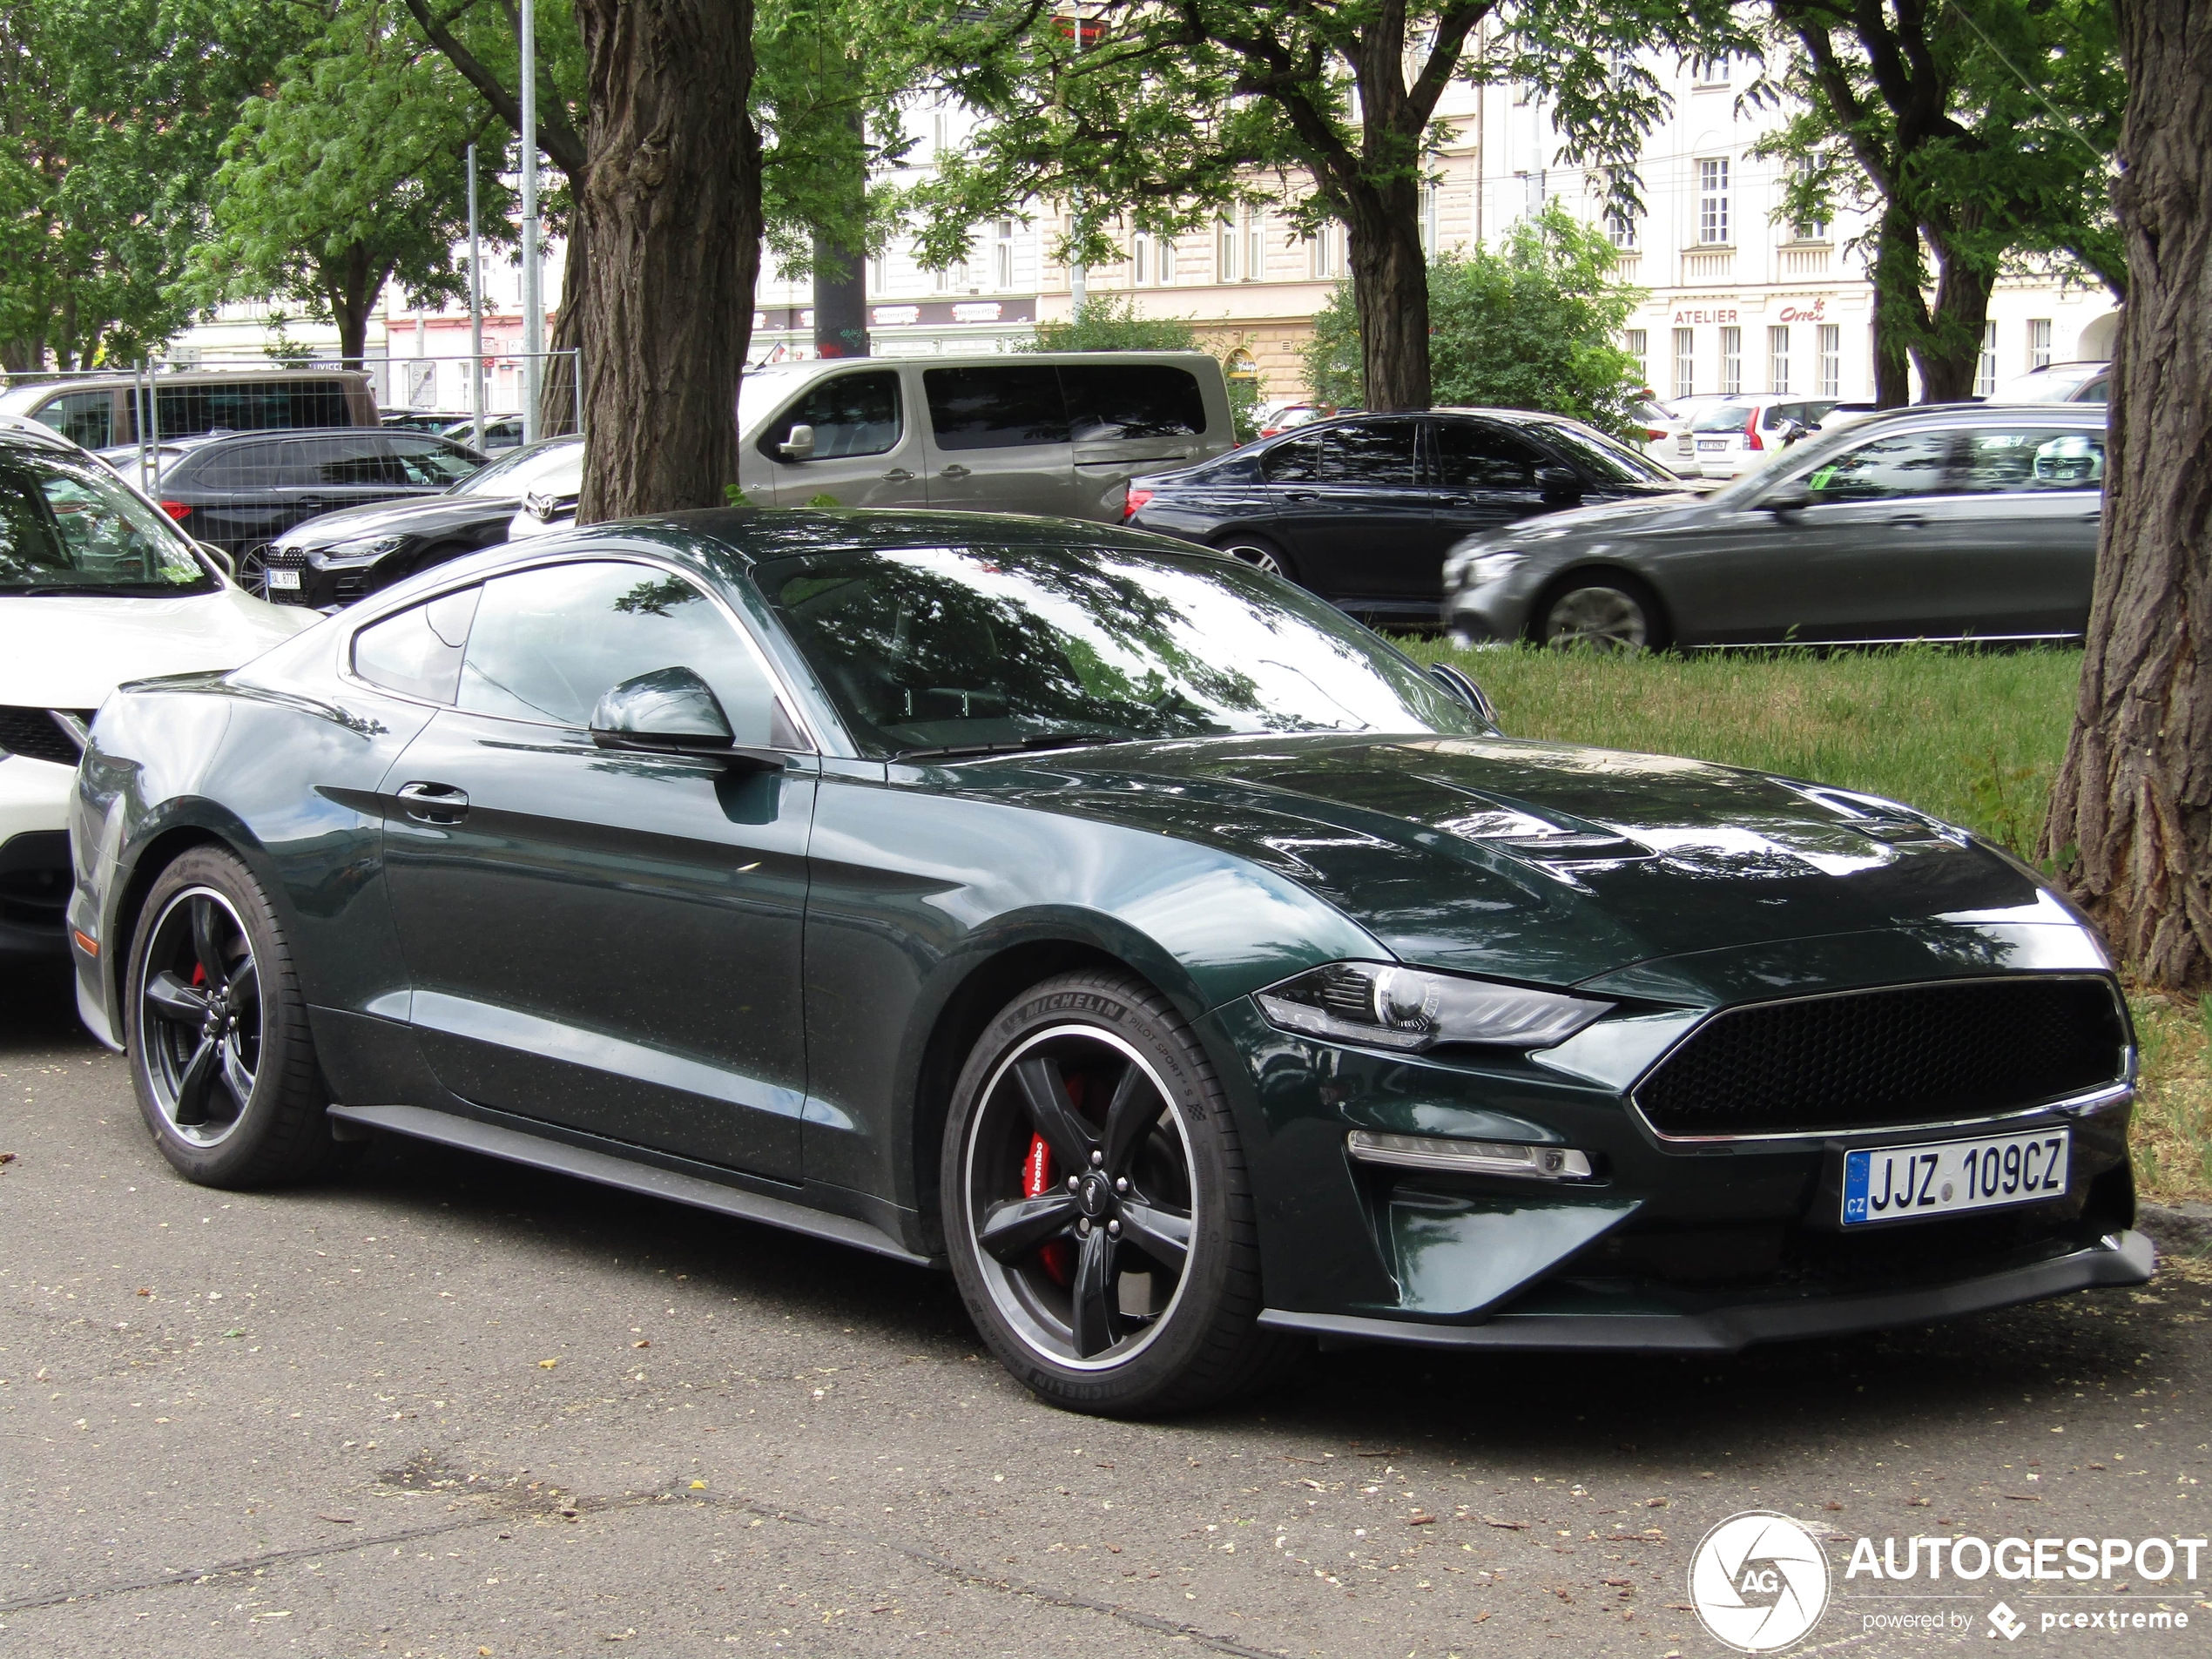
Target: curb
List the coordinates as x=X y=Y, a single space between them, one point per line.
x=2179 y=1229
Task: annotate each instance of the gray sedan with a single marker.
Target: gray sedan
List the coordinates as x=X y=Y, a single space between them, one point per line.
x=1955 y=522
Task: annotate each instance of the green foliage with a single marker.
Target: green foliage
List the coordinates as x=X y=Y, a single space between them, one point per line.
x=1107 y=323
x=1532 y=325
x=112 y=113
x=348 y=174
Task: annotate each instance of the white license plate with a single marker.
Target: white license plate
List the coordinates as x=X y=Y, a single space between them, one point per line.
x=285 y=579
x=1712 y=443
x=1942 y=1178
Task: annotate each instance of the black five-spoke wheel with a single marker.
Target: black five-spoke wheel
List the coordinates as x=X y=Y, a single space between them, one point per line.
x=200 y=1016
x=1079 y=1179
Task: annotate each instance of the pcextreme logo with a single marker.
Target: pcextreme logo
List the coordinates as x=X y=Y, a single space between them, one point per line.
x=1759 y=1582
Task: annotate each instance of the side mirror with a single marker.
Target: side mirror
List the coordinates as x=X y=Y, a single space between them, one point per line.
x=1460 y=686
x=799 y=445
x=672 y=712
x=1560 y=483
x=222 y=560
x=1790 y=498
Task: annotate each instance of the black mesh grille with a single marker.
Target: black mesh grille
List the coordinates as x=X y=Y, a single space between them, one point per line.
x=284 y=558
x=1918 y=1054
x=33 y=733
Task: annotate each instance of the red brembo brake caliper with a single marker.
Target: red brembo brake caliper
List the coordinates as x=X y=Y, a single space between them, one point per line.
x=1036 y=1175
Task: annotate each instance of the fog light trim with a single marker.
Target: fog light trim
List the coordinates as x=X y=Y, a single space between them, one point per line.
x=1468 y=1158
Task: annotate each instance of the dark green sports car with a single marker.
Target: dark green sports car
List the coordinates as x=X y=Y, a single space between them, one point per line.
x=1105 y=920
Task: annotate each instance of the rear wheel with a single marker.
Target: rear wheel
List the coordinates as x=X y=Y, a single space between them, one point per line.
x=1261 y=554
x=1099 y=1215
x=1602 y=612
x=254 y=572
x=221 y=1059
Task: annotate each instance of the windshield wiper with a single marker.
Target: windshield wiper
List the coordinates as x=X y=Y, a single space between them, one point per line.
x=1042 y=740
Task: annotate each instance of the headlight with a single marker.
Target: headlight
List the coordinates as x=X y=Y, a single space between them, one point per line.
x=1408 y=1008
x=354 y=552
x=1494 y=566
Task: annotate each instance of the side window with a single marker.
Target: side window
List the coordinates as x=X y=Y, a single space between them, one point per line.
x=1910 y=463
x=996 y=407
x=421 y=463
x=1378 y=456
x=242 y=466
x=1108 y=400
x=82 y=417
x=2031 y=459
x=852 y=414
x=548 y=643
x=1471 y=454
x=418 y=652
x=1297 y=461
x=351 y=462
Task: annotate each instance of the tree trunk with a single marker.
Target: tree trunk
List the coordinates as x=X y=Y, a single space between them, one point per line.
x=1390 y=293
x=2130 y=824
x=556 y=404
x=350 y=286
x=671 y=211
x=1898 y=309
x=1948 y=353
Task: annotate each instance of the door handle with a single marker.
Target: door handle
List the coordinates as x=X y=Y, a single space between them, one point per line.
x=898 y=475
x=1301 y=494
x=1908 y=521
x=953 y=471
x=434 y=803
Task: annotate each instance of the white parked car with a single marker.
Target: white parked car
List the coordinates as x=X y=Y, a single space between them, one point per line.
x=97 y=586
x=1739 y=434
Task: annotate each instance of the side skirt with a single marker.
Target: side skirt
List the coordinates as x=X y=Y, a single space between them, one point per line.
x=608 y=1168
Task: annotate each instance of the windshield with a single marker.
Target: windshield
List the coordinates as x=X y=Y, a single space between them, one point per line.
x=955 y=649
x=2048 y=385
x=1609 y=461
x=1724 y=417
x=65 y=528
x=558 y=467
x=760 y=392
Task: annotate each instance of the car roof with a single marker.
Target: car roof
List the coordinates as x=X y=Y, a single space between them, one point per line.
x=2056 y=414
x=31 y=435
x=269 y=434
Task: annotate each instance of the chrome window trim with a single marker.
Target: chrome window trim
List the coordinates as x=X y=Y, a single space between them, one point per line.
x=777 y=684
x=2088 y=1100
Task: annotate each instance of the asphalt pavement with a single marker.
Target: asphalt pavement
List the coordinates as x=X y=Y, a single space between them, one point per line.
x=440 y=1406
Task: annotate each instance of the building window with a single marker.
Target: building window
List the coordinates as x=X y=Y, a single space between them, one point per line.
x=1712 y=201
x=1731 y=360
x=1685 y=361
x=1428 y=219
x=1140 y=261
x=1002 y=256
x=1254 y=243
x=1713 y=71
x=1639 y=343
x=1832 y=359
x=1809 y=230
x=1777 y=361
x=2038 y=342
x=1985 y=370
x=1164 y=262
x=878 y=273
x=940 y=133
x=1224 y=248
x=1325 y=259
x=1533 y=193
x=1621 y=228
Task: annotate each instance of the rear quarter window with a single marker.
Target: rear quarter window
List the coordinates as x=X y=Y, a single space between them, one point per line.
x=1015 y=407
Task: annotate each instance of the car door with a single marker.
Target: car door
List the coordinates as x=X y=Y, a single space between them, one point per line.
x=998 y=439
x=605 y=941
x=1125 y=418
x=1485 y=477
x=236 y=494
x=321 y=475
x=865 y=452
x=1856 y=560
x=1362 y=532
x=2019 y=546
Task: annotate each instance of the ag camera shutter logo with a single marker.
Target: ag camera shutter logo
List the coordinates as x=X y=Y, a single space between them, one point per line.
x=1759 y=1582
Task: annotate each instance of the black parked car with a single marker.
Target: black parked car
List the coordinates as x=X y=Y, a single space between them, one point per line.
x=240 y=490
x=1362 y=510
x=334 y=559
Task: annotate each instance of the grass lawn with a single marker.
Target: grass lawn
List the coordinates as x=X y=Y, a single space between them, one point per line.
x=1973 y=737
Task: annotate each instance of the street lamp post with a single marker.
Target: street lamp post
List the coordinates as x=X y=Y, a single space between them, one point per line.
x=533 y=298
x=475 y=316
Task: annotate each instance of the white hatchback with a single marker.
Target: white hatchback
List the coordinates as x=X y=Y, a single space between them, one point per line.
x=1739 y=434
x=97 y=586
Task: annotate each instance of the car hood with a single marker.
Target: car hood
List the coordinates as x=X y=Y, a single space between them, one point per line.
x=1635 y=513
x=68 y=651
x=1550 y=862
x=424 y=516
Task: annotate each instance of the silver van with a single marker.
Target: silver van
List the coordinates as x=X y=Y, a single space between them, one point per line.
x=105 y=411
x=1057 y=432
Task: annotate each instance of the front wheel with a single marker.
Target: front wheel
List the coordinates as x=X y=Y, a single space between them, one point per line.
x=1098 y=1214
x=221 y=1059
x=1261 y=554
x=1602 y=613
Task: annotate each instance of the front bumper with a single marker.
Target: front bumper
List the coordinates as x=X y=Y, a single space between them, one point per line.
x=2116 y=1258
x=34 y=858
